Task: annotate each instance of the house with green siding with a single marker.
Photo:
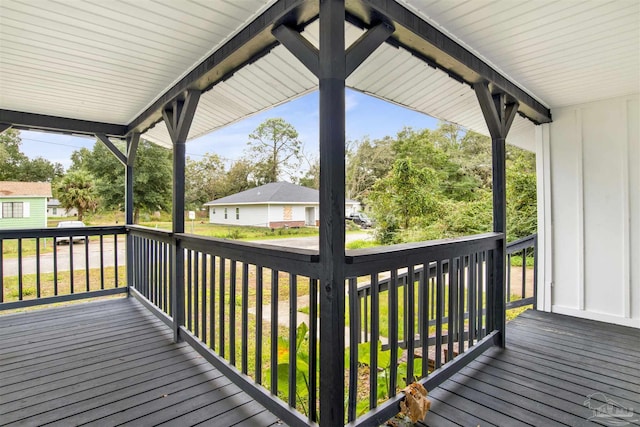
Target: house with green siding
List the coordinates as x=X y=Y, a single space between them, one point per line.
x=23 y=204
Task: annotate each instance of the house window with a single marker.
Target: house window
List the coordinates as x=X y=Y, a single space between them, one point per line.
x=12 y=210
x=237 y=213
x=213 y=211
x=55 y=211
x=225 y=213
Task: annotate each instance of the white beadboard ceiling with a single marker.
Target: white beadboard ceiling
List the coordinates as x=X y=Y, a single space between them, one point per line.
x=108 y=61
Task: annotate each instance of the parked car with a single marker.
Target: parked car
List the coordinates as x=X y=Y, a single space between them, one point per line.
x=361 y=219
x=70 y=224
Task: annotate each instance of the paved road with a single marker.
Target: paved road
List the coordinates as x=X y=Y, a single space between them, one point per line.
x=10 y=267
x=46 y=260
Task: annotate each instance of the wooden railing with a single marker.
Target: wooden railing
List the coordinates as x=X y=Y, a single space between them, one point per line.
x=415 y=312
x=527 y=293
x=36 y=269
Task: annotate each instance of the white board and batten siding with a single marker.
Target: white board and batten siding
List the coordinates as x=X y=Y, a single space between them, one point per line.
x=253 y=215
x=589 y=211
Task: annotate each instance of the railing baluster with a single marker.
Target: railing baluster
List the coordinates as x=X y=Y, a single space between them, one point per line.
x=102 y=262
x=196 y=293
x=471 y=295
x=451 y=308
x=353 y=348
x=189 y=290
x=393 y=331
x=409 y=314
x=86 y=262
x=232 y=312
x=375 y=337
x=212 y=303
x=524 y=275
x=313 y=349
x=274 y=331
x=55 y=267
x=482 y=271
x=259 y=302
x=244 y=356
x=115 y=259
x=20 y=278
x=462 y=286
x=221 y=300
x=293 y=338
x=38 y=284
x=424 y=321
x=203 y=293
x=439 y=312
x=508 y=278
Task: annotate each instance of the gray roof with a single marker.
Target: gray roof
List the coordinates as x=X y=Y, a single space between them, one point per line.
x=275 y=192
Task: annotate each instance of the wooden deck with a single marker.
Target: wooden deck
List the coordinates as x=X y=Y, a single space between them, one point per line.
x=551 y=365
x=110 y=363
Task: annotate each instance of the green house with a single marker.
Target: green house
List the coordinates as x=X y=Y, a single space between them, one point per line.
x=24 y=204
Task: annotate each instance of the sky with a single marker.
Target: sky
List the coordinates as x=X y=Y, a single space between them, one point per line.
x=365 y=116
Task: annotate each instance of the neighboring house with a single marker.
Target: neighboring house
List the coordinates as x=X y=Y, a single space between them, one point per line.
x=54 y=208
x=24 y=204
x=274 y=205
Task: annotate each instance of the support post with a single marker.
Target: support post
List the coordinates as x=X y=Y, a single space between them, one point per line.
x=499 y=112
x=332 y=74
x=178 y=116
x=132 y=146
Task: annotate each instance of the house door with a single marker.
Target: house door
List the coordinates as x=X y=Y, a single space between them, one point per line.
x=310 y=216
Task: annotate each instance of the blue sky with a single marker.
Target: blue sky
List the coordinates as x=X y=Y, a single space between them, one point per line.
x=366 y=116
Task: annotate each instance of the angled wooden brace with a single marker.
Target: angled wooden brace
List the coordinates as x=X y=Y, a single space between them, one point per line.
x=497 y=110
x=355 y=54
x=4 y=126
x=178 y=115
x=132 y=147
x=111 y=146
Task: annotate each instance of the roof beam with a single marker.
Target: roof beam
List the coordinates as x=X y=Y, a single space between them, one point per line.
x=28 y=121
x=436 y=48
x=252 y=42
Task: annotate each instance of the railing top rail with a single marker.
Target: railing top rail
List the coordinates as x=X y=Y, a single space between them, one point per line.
x=518 y=245
x=162 y=235
x=386 y=257
x=29 y=233
x=206 y=243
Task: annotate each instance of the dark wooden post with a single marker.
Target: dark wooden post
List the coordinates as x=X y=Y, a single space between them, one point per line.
x=499 y=112
x=132 y=149
x=178 y=116
x=331 y=75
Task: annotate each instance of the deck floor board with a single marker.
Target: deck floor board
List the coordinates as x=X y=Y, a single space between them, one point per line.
x=549 y=368
x=110 y=363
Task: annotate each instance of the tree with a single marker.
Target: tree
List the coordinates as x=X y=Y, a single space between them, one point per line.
x=238 y=178
x=405 y=197
x=277 y=150
x=311 y=178
x=76 y=190
x=153 y=176
x=16 y=166
x=521 y=194
x=204 y=180
x=367 y=161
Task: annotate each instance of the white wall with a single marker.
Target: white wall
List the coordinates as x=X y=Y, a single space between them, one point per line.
x=589 y=211
x=249 y=215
